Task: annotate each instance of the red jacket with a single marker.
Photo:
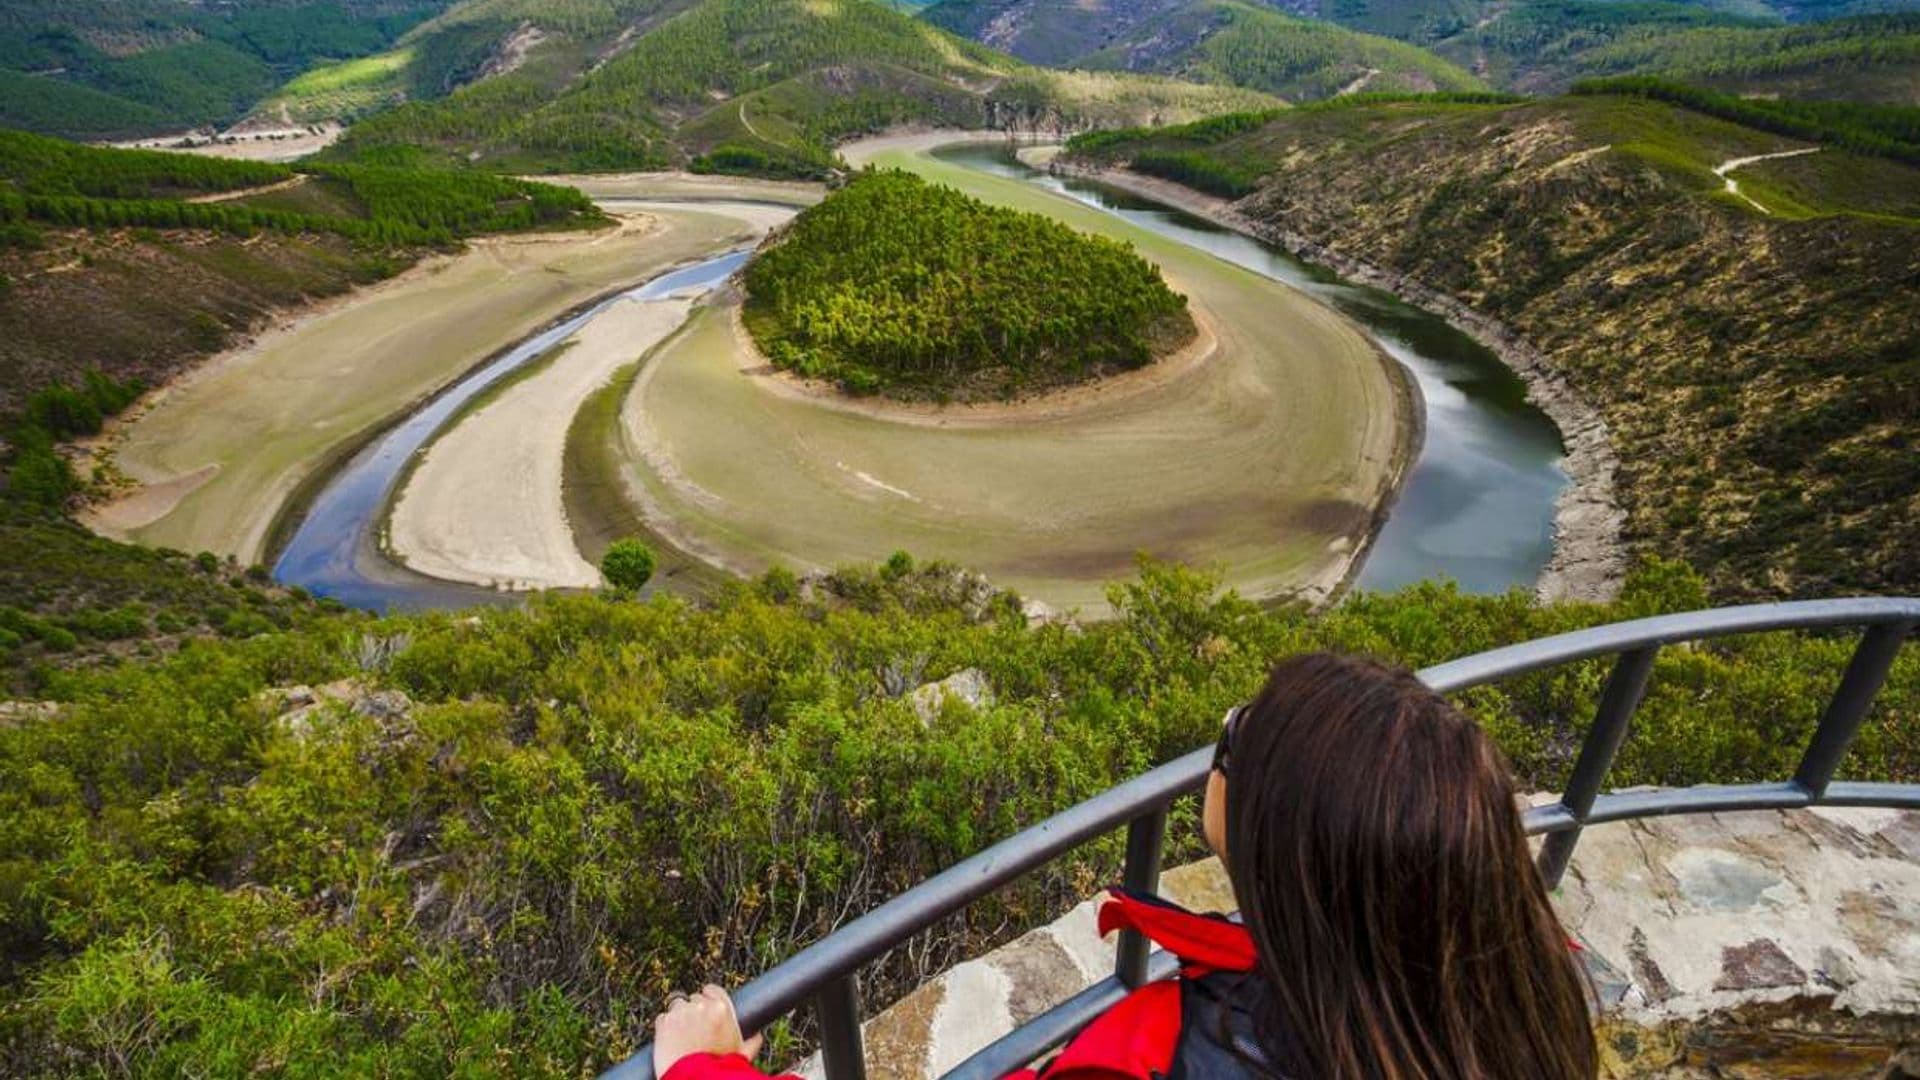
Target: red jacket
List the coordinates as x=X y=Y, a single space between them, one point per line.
x=1148 y=1030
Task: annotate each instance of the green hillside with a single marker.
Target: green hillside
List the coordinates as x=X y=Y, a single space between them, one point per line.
x=548 y=43
x=108 y=269
x=761 y=84
x=1237 y=44
x=1545 y=45
x=1754 y=360
x=1534 y=45
x=101 y=68
x=1873 y=58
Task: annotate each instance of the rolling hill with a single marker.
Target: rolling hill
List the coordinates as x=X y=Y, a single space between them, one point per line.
x=1239 y=44
x=1543 y=47
x=1752 y=354
x=765 y=86
x=1869 y=58
x=112 y=68
x=136 y=264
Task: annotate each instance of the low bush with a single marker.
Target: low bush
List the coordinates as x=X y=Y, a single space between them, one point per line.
x=627 y=565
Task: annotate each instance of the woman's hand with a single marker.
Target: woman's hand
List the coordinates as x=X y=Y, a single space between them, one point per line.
x=702 y=1024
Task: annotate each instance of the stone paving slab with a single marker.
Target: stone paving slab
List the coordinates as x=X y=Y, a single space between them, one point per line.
x=1755 y=944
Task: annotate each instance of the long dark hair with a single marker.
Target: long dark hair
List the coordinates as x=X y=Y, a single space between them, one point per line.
x=1376 y=850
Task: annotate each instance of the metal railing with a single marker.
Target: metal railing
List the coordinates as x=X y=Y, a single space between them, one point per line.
x=826 y=973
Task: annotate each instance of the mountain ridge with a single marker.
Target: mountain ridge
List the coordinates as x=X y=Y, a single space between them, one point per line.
x=825 y=69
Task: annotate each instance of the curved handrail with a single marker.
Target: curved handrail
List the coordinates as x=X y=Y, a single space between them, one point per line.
x=826 y=970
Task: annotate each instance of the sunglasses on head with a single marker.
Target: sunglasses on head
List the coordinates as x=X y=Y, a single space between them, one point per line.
x=1223 y=750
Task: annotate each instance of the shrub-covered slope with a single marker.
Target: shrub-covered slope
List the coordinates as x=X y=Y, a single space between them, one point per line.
x=1224 y=41
x=490 y=842
x=696 y=84
x=108 y=267
x=897 y=286
x=1545 y=45
x=1759 y=371
x=1216 y=41
x=94 y=68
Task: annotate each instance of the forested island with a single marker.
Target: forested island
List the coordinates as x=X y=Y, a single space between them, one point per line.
x=912 y=290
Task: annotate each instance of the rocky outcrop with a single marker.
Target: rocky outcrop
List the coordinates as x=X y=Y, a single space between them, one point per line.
x=295 y=708
x=968 y=686
x=1762 y=944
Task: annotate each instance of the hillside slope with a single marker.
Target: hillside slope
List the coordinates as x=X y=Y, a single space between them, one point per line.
x=100 y=68
x=133 y=265
x=1759 y=369
x=765 y=85
x=1545 y=45
x=1237 y=44
x=547 y=44
x=493 y=841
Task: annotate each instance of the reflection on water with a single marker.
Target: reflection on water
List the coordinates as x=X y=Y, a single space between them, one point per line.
x=334 y=552
x=1478 y=506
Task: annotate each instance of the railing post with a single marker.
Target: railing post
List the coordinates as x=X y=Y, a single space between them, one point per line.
x=1618 y=700
x=838 y=1007
x=1146 y=838
x=1866 y=672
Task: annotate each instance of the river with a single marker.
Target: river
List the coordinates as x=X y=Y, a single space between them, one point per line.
x=1477 y=508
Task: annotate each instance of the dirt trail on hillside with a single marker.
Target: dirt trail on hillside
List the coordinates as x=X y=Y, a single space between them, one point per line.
x=1733 y=186
x=248 y=193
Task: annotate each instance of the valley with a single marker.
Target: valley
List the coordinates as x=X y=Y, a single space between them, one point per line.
x=1650 y=315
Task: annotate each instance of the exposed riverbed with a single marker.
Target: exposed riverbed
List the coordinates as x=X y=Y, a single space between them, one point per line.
x=335 y=551
x=1479 y=505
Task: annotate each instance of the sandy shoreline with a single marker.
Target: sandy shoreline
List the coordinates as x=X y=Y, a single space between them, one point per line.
x=691 y=186
x=485 y=504
x=1588 y=560
x=861 y=152
x=259 y=142
x=220 y=453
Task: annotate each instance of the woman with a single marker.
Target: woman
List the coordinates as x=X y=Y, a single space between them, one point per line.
x=1394 y=925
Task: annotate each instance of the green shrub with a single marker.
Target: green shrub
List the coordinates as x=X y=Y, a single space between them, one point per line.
x=898 y=565
x=1196 y=170
x=627 y=565
x=40 y=477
